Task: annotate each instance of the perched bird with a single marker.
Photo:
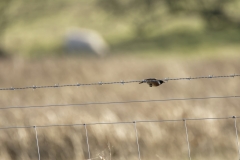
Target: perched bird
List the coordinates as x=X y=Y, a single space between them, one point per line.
x=152 y=82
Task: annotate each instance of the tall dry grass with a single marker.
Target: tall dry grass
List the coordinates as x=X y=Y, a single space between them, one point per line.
x=209 y=139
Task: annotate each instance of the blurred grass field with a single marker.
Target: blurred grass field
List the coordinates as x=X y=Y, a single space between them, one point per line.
x=39 y=29
x=209 y=139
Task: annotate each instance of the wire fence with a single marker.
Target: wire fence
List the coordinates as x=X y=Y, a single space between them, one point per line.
x=135 y=128
x=118 y=102
x=117 y=82
x=138 y=146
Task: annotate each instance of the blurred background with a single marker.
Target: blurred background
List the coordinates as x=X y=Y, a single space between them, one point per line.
x=68 y=42
x=31 y=28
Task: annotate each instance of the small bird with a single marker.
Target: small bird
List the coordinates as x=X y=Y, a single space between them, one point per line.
x=152 y=82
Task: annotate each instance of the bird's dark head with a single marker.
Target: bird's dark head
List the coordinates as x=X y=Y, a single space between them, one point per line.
x=161 y=81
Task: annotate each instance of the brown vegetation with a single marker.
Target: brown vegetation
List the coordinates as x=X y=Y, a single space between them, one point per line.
x=209 y=139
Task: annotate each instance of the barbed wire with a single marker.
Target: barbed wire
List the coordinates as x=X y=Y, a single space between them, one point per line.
x=117 y=82
x=118 y=102
x=120 y=122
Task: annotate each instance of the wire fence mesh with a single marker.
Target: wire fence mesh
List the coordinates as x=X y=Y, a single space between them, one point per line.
x=138 y=145
x=135 y=128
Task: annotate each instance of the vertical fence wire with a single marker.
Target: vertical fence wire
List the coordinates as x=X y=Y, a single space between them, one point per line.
x=235 y=122
x=189 y=152
x=35 y=128
x=89 y=155
x=135 y=126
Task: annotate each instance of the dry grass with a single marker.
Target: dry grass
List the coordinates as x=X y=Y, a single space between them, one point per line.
x=210 y=139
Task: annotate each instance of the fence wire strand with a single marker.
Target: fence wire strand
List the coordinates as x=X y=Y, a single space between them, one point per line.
x=138 y=147
x=118 y=102
x=235 y=124
x=189 y=151
x=89 y=155
x=120 y=122
x=117 y=82
x=35 y=128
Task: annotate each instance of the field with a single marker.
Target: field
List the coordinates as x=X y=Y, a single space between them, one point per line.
x=209 y=139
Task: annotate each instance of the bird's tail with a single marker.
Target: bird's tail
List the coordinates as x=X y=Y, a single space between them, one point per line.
x=141 y=82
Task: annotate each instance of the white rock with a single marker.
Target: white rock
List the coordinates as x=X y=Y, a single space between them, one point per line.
x=88 y=41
